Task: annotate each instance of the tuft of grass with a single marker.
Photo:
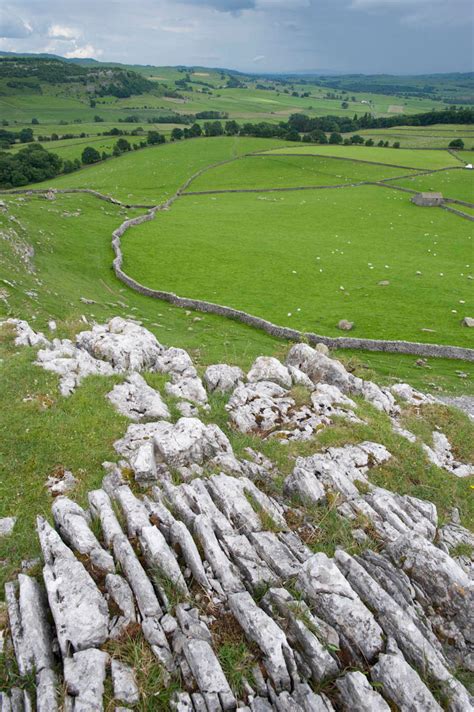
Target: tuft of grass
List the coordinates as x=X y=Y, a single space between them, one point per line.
x=154 y=685
x=165 y=584
x=267 y=521
x=237 y=663
x=462 y=549
x=236 y=655
x=455 y=424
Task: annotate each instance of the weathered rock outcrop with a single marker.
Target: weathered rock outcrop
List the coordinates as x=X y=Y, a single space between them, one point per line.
x=221 y=552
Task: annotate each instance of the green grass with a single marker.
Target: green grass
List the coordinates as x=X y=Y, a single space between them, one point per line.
x=393 y=156
x=39 y=430
x=314 y=243
x=289 y=171
x=457 y=184
x=154 y=686
x=154 y=174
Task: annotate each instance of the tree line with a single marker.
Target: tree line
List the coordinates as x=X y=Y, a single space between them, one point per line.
x=34 y=163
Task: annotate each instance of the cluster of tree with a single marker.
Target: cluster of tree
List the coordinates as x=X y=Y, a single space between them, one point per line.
x=8 y=138
x=29 y=165
x=306 y=124
x=210 y=115
x=210 y=128
x=92 y=155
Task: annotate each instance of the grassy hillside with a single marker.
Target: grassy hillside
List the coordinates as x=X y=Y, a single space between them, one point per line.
x=152 y=175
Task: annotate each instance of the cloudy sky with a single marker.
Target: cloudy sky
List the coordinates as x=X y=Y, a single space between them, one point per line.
x=369 y=36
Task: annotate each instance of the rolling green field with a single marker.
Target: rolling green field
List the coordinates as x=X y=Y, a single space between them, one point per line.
x=308 y=259
x=154 y=174
x=428 y=160
x=275 y=171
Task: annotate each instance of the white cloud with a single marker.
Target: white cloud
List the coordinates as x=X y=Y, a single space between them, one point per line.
x=61 y=32
x=83 y=52
x=258 y=58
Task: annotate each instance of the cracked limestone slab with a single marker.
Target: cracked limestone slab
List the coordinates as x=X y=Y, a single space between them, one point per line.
x=84 y=677
x=268 y=368
x=138 y=401
x=124 y=344
x=73 y=526
x=262 y=630
x=79 y=609
x=334 y=600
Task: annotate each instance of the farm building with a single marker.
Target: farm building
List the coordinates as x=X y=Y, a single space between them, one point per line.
x=428 y=200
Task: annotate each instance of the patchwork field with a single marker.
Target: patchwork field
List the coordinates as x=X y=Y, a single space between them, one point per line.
x=155 y=174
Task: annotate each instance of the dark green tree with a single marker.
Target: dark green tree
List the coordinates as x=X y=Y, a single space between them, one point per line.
x=335 y=138
x=90 y=155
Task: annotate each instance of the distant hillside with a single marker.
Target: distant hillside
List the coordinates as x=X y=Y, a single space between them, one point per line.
x=29 y=73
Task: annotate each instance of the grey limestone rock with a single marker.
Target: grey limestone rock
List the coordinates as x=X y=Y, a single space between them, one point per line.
x=124 y=344
x=208 y=673
x=402 y=685
x=137 y=400
x=73 y=526
x=29 y=627
x=334 y=600
x=262 y=630
x=268 y=368
x=84 y=676
x=79 y=610
x=7 y=525
x=158 y=555
x=25 y=335
x=140 y=584
x=222 y=378
x=358 y=695
x=124 y=683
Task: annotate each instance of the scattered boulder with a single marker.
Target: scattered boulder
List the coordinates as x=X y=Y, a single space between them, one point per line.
x=222 y=378
x=267 y=368
x=25 y=335
x=345 y=325
x=61 y=482
x=468 y=321
x=7 y=525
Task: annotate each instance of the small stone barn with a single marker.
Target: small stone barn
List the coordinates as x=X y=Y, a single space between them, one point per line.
x=428 y=200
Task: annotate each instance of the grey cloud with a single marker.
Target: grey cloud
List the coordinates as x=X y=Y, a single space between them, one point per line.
x=12 y=26
x=223 y=5
x=356 y=36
